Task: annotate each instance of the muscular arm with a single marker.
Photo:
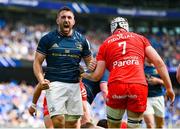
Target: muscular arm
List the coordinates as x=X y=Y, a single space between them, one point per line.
x=97 y=74
x=160 y=66
x=104 y=89
x=37 y=66
x=37 y=93
x=87 y=60
x=155 y=81
x=90 y=63
x=162 y=70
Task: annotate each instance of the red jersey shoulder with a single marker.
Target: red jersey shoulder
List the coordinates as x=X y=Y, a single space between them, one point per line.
x=142 y=38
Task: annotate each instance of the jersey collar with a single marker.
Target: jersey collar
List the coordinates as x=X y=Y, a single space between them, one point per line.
x=120 y=30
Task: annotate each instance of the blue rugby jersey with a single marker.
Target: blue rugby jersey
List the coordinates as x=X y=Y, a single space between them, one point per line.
x=154 y=90
x=63 y=55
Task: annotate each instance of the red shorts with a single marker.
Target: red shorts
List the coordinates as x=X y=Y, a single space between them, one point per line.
x=83 y=94
x=132 y=97
x=45 y=107
x=83 y=91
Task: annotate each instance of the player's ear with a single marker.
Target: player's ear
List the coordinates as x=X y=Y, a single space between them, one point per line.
x=74 y=22
x=57 y=21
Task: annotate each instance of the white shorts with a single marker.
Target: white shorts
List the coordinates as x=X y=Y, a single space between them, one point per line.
x=64 y=99
x=156 y=106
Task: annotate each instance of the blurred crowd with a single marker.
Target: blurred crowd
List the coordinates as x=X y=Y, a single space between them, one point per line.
x=16 y=98
x=19 y=40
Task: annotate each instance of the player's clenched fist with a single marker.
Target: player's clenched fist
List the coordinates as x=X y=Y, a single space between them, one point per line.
x=44 y=84
x=32 y=110
x=171 y=95
x=92 y=65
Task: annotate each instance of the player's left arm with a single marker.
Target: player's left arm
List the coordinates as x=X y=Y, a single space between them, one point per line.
x=104 y=84
x=155 y=81
x=36 y=95
x=162 y=70
x=98 y=72
x=104 y=89
x=90 y=62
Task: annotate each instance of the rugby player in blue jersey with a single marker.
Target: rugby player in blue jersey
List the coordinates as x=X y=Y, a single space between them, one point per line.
x=155 y=110
x=63 y=49
x=93 y=88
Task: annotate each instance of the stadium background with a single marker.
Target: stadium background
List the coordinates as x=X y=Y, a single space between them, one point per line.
x=23 y=22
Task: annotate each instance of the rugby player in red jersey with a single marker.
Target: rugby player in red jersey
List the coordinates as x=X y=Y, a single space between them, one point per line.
x=123 y=54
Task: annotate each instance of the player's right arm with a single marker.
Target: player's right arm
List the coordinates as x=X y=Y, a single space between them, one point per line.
x=104 y=84
x=97 y=74
x=162 y=70
x=104 y=89
x=37 y=66
x=38 y=71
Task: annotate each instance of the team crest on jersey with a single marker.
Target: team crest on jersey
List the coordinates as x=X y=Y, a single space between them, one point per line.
x=79 y=46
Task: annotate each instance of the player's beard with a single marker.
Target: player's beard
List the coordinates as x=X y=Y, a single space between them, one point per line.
x=66 y=29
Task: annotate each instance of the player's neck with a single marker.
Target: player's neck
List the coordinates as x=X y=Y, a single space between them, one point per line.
x=120 y=30
x=65 y=34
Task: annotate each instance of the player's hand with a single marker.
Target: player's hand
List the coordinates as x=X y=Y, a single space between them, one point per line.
x=81 y=69
x=92 y=65
x=85 y=75
x=32 y=110
x=104 y=94
x=154 y=80
x=44 y=84
x=170 y=94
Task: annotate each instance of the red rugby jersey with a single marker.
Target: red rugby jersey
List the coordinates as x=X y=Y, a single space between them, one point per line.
x=124 y=54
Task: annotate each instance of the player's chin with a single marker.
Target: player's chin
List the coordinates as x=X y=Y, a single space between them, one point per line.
x=66 y=31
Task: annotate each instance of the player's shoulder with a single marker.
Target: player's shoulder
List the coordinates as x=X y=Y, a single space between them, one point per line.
x=78 y=35
x=107 y=40
x=138 y=35
x=49 y=35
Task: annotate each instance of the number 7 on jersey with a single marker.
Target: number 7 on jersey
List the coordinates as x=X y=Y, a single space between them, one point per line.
x=123 y=44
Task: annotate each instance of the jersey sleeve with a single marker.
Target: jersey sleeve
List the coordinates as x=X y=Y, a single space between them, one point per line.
x=86 y=48
x=105 y=76
x=146 y=42
x=101 y=53
x=43 y=45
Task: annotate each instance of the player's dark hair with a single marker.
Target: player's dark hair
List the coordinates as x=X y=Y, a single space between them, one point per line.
x=64 y=8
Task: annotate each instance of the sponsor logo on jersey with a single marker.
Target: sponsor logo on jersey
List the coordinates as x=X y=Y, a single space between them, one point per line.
x=67 y=51
x=127 y=61
x=79 y=46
